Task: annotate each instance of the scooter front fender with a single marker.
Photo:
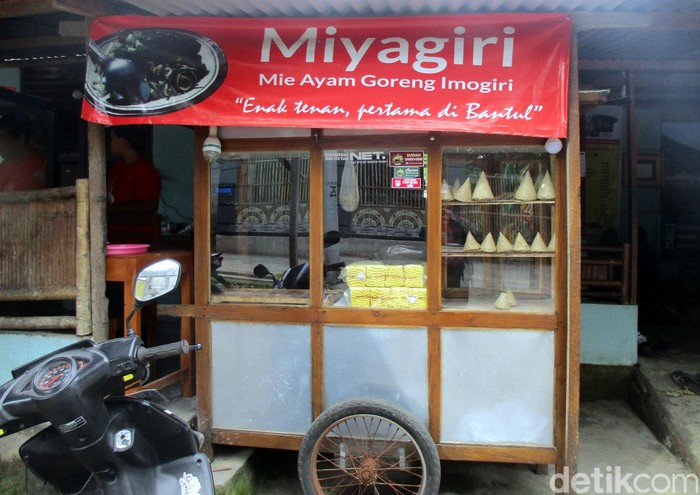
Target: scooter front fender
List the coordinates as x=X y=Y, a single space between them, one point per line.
x=161 y=459
x=189 y=475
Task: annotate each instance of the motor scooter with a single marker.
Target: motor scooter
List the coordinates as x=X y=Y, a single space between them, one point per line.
x=297 y=277
x=98 y=440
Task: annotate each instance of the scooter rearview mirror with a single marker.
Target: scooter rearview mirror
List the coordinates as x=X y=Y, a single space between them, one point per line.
x=156 y=280
x=261 y=271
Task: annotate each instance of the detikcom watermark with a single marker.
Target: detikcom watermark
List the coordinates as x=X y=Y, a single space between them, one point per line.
x=612 y=480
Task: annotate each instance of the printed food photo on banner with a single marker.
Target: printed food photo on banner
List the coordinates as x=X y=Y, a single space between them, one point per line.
x=152 y=71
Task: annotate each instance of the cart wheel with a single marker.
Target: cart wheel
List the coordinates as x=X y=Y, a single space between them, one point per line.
x=368 y=446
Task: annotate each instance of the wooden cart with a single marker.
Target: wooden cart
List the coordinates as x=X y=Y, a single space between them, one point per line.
x=486 y=384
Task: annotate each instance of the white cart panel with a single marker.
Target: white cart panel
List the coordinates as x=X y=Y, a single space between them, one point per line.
x=384 y=363
x=261 y=377
x=498 y=387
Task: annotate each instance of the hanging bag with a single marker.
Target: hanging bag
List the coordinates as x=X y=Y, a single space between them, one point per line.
x=349 y=196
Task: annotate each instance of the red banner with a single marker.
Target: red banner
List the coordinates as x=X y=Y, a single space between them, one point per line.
x=495 y=73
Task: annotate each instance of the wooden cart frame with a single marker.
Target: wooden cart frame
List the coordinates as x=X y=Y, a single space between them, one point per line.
x=563 y=323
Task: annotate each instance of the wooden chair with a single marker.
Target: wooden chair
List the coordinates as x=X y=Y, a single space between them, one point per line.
x=605 y=273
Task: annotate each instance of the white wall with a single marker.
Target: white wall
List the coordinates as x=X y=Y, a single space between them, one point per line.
x=18 y=348
x=609 y=334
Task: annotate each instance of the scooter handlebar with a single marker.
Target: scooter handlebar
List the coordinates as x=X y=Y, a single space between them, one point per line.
x=144 y=355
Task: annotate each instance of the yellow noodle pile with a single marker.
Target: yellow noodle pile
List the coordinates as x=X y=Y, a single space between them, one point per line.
x=375 y=285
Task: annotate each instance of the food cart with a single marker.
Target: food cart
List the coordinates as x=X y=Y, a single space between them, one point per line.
x=441 y=153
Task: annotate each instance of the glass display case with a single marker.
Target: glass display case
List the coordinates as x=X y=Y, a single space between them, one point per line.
x=424 y=260
x=498 y=235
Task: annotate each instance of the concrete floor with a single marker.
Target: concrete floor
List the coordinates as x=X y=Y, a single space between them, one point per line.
x=611 y=437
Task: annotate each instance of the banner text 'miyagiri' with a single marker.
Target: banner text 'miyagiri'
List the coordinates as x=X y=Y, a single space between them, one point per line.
x=397 y=49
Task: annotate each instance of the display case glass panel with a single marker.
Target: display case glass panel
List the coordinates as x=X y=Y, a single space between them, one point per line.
x=498 y=229
x=260 y=218
x=375 y=200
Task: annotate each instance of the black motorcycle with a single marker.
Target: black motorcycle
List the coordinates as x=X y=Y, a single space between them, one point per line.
x=98 y=440
x=297 y=277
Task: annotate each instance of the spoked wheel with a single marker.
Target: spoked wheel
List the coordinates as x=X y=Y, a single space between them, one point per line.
x=367 y=446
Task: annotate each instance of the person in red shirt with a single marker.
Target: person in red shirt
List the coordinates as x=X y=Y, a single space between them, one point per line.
x=22 y=167
x=133 y=186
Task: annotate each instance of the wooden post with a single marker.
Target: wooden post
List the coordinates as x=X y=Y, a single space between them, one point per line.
x=83 y=308
x=571 y=244
x=97 y=171
x=293 y=211
x=202 y=286
x=632 y=174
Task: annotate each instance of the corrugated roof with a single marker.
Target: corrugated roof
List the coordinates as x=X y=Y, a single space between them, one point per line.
x=601 y=44
x=335 y=8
